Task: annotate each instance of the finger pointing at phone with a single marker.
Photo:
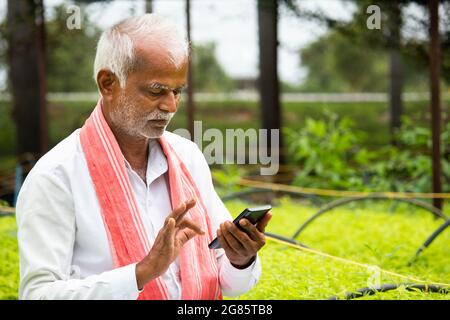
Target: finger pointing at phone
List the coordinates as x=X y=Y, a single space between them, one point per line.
x=241 y=246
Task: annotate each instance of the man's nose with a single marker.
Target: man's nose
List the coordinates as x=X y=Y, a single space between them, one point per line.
x=169 y=103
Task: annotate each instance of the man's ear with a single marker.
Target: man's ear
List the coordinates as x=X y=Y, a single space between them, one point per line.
x=107 y=83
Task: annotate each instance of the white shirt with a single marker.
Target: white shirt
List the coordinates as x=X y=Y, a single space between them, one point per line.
x=64 y=250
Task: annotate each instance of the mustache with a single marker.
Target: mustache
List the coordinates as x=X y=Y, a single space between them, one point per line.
x=160 y=116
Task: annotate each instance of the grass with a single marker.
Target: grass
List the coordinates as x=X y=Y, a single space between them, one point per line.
x=9 y=259
x=370 y=234
x=375 y=233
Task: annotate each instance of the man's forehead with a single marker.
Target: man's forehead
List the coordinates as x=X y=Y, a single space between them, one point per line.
x=158 y=57
x=157 y=71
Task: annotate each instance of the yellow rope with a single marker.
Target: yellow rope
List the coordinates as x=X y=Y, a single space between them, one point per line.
x=339 y=193
x=323 y=254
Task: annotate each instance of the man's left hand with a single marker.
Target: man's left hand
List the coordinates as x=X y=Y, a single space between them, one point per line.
x=241 y=246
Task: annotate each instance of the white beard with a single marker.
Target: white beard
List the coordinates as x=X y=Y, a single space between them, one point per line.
x=127 y=119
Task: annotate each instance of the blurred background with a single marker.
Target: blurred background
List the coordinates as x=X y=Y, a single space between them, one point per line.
x=359 y=89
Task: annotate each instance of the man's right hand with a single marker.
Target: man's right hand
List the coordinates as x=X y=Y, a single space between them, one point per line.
x=177 y=230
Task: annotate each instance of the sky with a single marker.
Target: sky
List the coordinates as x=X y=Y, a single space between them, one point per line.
x=231 y=24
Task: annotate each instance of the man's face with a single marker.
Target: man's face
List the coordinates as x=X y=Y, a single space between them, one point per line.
x=144 y=107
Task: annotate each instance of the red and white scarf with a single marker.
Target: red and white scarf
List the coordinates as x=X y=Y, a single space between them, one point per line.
x=128 y=240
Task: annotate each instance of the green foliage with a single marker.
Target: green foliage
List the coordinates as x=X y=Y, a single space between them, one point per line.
x=70 y=57
x=70 y=53
x=338 y=63
x=325 y=151
x=408 y=167
x=404 y=168
x=332 y=156
x=226 y=178
x=352 y=57
x=7 y=131
x=209 y=75
x=335 y=64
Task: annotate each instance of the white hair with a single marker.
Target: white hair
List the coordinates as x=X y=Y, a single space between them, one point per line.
x=116 y=50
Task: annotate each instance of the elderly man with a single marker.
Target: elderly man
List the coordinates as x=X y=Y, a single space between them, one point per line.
x=122 y=209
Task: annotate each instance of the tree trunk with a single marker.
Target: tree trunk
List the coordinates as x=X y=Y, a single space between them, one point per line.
x=395 y=68
x=190 y=108
x=395 y=92
x=435 y=99
x=268 y=77
x=148 y=6
x=27 y=77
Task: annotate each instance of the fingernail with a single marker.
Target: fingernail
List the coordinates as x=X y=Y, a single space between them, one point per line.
x=243 y=222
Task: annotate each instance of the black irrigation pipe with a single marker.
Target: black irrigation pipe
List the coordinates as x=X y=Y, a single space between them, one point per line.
x=340 y=202
x=282 y=238
x=367 y=291
x=429 y=240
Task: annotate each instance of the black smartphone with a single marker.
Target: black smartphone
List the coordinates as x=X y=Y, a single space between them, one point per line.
x=251 y=214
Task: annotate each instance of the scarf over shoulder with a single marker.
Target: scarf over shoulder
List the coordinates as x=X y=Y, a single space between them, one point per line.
x=128 y=240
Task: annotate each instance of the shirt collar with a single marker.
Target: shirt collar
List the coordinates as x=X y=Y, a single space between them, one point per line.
x=156 y=163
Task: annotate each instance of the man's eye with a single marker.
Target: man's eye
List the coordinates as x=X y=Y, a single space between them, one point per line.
x=156 y=92
x=177 y=92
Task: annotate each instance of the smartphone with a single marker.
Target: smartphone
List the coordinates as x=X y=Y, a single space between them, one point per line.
x=251 y=214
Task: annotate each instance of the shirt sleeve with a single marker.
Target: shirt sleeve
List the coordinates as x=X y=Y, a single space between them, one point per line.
x=233 y=281
x=46 y=237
